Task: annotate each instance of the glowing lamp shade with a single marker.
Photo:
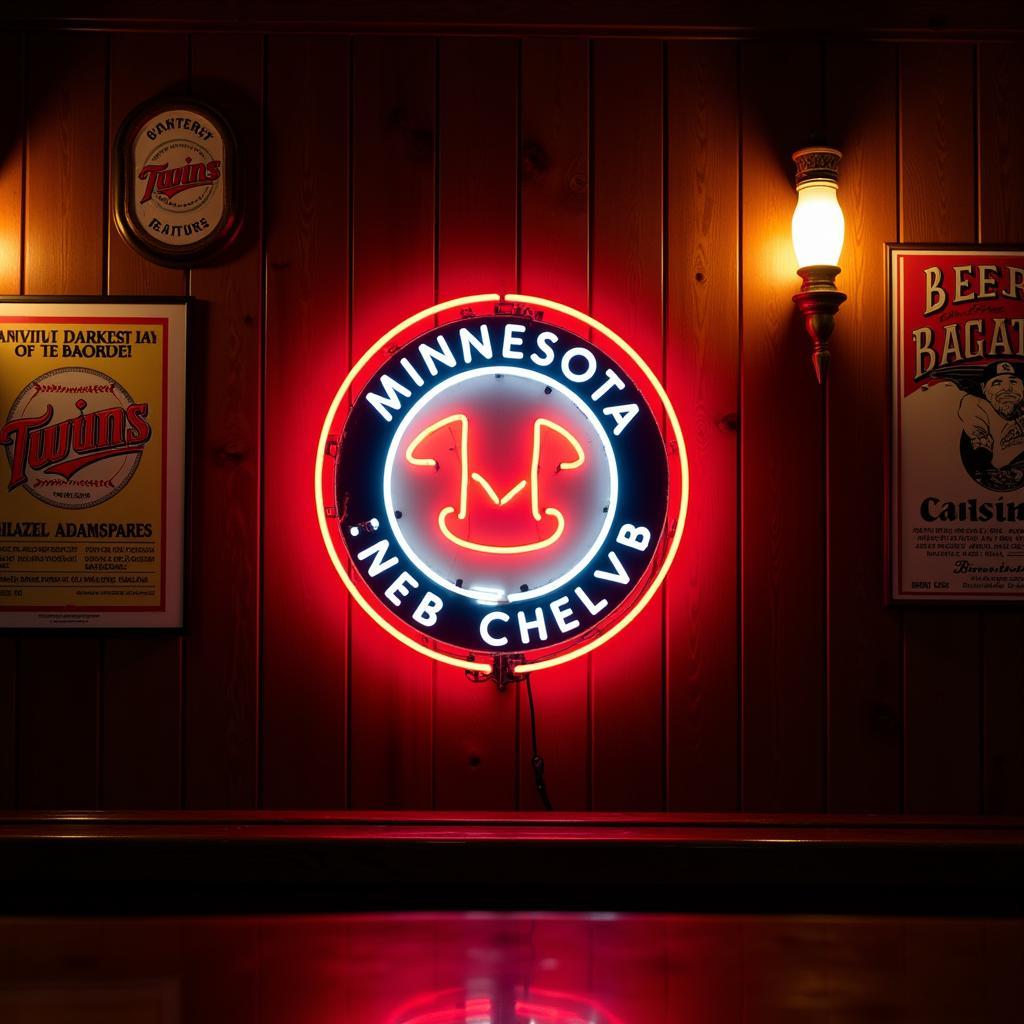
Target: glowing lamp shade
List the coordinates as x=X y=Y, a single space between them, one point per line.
x=818 y=224
x=817 y=241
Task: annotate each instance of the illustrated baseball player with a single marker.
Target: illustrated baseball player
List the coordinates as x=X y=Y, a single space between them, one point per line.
x=993 y=425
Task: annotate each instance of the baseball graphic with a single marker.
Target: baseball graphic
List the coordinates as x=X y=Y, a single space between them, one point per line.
x=74 y=437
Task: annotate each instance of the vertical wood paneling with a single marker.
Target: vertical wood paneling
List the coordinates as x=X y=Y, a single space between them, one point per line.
x=702 y=376
x=142 y=67
x=58 y=676
x=937 y=186
x=66 y=137
x=941 y=646
x=474 y=724
x=140 y=757
x=305 y=620
x=393 y=151
x=626 y=289
x=12 y=153
x=8 y=724
x=782 y=431
x=1003 y=711
x=1001 y=213
x=58 y=680
x=554 y=229
x=865 y=641
x=221 y=665
x=84 y=719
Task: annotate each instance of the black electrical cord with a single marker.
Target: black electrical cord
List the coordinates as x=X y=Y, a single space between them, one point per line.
x=538 y=761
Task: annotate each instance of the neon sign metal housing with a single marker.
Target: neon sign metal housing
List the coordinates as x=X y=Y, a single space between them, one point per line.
x=501 y=485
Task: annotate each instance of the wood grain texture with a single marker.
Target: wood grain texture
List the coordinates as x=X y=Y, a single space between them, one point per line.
x=305 y=608
x=222 y=649
x=1002 y=654
x=1000 y=144
x=937 y=176
x=66 y=195
x=782 y=431
x=393 y=152
x=626 y=287
x=865 y=660
x=554 y=195
x=710 y=994
x=475 y=740
x=619 y=973
x=225 y=986
x=12 y=158
x=142 y=68
x=941 y=646
x=58 y=683
x=58 y=676
x=1001 y=220
x=140 y=759
x=8 y=722
x=702 y=376
x=140 y=753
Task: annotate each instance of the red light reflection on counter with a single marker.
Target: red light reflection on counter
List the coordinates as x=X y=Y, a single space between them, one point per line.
x=536 y=1006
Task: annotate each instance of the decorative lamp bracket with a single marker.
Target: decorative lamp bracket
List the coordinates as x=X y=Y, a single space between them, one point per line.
x=819 y=301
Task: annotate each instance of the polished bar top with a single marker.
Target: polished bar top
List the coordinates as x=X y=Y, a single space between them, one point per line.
x=510 y=969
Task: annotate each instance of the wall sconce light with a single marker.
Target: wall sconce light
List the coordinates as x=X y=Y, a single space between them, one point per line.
x=818 y=241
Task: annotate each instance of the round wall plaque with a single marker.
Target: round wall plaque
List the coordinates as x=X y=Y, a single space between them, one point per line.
x=178 y=197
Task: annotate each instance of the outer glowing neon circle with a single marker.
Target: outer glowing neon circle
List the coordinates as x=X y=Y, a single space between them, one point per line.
x=476 y=488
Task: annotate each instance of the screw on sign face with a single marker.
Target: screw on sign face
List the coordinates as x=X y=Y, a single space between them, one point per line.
x=500 y=486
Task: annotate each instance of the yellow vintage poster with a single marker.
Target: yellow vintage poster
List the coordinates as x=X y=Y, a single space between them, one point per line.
x=92 y=400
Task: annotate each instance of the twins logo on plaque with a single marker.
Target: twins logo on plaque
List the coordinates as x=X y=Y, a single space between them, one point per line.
x=177 y=197
x=957 y=489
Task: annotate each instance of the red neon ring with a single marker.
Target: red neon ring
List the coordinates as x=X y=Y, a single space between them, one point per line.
x=638 y=605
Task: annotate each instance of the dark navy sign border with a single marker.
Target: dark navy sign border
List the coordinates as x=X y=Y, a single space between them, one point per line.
x=643 y=474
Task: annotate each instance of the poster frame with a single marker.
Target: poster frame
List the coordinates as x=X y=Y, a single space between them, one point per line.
x=175 y=619
x=892 y=528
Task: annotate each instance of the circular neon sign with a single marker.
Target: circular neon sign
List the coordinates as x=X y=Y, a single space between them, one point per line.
x=493 y=483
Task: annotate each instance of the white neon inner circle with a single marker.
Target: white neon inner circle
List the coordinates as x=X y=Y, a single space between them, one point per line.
x=480 y=593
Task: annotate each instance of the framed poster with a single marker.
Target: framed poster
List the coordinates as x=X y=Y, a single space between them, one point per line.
x=92 y=478
x=957 y=472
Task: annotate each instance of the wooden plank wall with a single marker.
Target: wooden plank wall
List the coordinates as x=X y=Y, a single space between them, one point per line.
x=647 y=181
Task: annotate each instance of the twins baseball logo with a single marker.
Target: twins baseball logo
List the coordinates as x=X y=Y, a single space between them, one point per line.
x=74 y=438
x=501 y=488
x=165 y=183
